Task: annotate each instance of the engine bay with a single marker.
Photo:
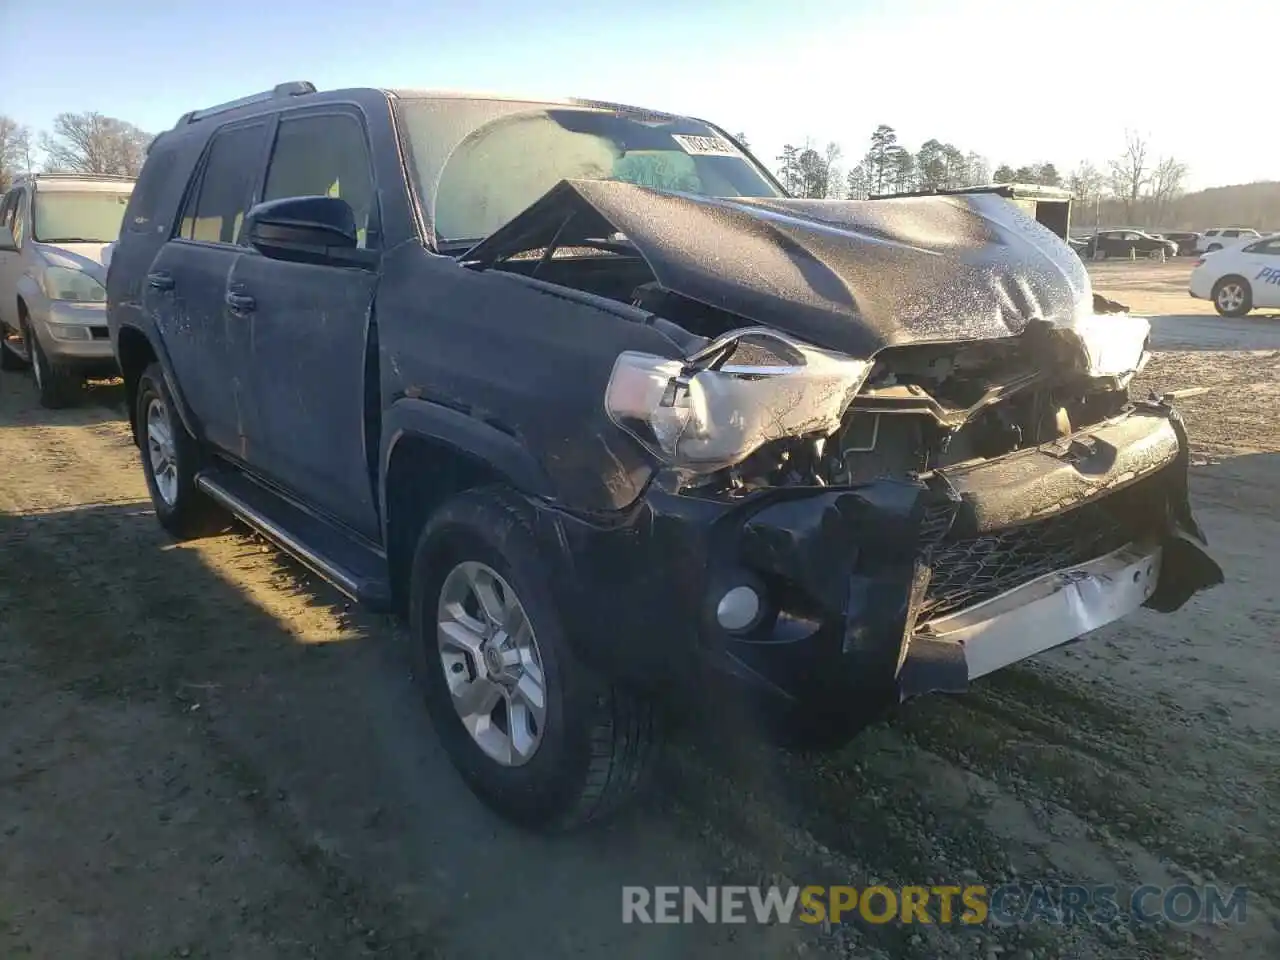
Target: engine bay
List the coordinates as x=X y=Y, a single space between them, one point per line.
x=921 y=407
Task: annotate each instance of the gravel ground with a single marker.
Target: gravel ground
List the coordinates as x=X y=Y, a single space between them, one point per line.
x=205 y=753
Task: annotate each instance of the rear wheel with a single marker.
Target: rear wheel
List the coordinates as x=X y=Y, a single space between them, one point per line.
x=536 y=736
x=170 y=460
x=56 y=385
x=1232 y=297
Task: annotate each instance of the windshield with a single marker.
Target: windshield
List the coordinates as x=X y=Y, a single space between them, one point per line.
x=67 y=216
x=502 y=166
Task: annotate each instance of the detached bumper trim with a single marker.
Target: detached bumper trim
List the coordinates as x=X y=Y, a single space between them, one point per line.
x=1046 y=612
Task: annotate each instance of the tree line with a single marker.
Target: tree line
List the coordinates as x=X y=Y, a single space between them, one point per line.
x=78 y=143
x=1135 y=188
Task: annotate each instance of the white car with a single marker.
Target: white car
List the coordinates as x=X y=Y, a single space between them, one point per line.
x=1220 y=238
x=1240 y=278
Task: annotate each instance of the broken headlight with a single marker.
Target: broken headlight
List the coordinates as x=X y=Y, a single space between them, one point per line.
x=717 y=407
x=1115 y=345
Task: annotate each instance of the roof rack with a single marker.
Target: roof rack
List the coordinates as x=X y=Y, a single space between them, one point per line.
x=294 y=88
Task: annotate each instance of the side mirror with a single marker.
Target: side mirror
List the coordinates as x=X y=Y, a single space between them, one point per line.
x=319 y=230
x=7 y=241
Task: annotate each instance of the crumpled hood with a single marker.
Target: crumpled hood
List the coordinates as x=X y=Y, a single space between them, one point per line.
x=849 y=275
x=85 y=257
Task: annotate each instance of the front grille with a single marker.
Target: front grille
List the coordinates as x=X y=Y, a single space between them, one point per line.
x=969 y=571
x=100 y=333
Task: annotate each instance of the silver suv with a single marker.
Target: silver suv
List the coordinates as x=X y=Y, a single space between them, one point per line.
x=53 y=231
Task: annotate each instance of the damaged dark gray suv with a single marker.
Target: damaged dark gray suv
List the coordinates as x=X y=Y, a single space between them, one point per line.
x=625 y=429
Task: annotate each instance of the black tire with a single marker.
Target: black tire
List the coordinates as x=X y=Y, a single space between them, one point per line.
x=56 y=385
x=191 y=513
x=598 y=742
x=1212 y=247
x=1242 y=306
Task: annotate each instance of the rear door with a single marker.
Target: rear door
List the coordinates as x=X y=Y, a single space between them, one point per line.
x=311 y=327
x=185 y=288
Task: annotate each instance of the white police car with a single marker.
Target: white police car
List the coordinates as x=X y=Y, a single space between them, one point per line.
x=1241 y=278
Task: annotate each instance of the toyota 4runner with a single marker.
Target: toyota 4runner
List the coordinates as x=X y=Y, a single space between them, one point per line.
x=620 y=425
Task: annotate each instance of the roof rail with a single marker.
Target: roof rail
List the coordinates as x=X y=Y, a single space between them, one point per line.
x=70 y=175
x=294 y=88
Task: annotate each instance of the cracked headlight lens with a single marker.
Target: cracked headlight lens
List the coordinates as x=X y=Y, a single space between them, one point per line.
x=718 y=407
x=63 y=283
x=1116 y=344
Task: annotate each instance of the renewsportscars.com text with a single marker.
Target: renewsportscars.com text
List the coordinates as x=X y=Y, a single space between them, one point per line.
x=973 y=904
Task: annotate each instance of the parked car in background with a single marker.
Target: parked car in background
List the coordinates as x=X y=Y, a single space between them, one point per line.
x=1128 y=243
x=605 y=467
x=53 y=229
x=1188 y=243
x=1240 y=278
x=1219 y=238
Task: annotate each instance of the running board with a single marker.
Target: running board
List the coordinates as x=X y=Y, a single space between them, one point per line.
x=354 y=569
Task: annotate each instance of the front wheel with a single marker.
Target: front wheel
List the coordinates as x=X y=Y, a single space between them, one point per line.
x=56 y=386
x=536 y=735
x=170 y=460
x=1232 y=297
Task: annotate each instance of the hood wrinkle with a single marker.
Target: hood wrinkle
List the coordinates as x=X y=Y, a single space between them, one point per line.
x=848 y=275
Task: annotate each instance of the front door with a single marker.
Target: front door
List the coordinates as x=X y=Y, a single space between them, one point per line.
x=311 y=327
x=11 y=260
x=186 y=289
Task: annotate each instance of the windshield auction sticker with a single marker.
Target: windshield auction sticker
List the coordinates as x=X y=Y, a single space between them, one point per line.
x=706 y=146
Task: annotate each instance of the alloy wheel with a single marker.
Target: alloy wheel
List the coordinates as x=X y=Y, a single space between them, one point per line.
x=491 y=663
x=161 y=451
x=1230 y=297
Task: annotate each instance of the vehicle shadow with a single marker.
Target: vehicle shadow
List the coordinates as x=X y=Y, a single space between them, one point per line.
x=100 y=401
x=309 y=713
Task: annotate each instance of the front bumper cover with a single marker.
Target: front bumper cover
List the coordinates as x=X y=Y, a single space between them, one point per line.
x=91 y=350
x=855 y=617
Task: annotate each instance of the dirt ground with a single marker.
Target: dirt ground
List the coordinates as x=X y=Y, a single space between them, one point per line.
x=206 y=753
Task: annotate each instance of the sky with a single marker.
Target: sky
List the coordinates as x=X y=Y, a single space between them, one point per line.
x=1019 y=83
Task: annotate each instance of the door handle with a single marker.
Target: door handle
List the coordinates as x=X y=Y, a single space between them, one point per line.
x=160 y=280
x=241 y=303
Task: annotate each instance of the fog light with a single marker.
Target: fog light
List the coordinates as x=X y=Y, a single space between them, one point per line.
x=738 y=608
x=69 y=331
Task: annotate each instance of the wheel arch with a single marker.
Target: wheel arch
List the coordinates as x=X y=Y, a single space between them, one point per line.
x=135 y=351
x=431 y=453
x=1217 y=284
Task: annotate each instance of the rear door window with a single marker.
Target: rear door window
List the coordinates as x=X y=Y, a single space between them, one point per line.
x=216 y=204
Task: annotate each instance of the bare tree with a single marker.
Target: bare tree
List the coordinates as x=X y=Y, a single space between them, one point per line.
x=857 y=184
x=93 y=143
x=15 y=150
x=979 y=169
x=1130 y=172
x=835 y=177
x=1086 y=183
x=1165 y=187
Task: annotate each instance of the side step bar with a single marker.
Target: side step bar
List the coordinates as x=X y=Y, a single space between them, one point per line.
x=355 y=570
